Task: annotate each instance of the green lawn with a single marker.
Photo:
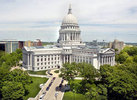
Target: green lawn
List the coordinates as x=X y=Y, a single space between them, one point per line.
x=75 y=96
x=56 y=71
x=38 y=72
x=33 y=88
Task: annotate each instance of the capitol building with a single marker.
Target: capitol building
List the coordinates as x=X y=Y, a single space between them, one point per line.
x=69 y=48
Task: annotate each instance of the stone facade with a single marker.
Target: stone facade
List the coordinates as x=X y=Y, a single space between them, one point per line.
x=116 y=45
x=69 y=48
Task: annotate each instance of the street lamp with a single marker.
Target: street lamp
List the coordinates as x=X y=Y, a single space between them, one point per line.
x=56 y=94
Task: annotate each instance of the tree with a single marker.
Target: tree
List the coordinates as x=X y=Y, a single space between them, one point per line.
x=132 y=51
x=121 y=58
x=3 y=75
x=68 y=72
x=88 y=72
x=135 y=58
x=12 y=91
x=98 y=92
x=120 y=80
x=18 y=75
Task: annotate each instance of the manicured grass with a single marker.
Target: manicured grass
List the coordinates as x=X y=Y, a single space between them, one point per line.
x=33 y=88
x=56 y=71
x=38 y=72
x=73 y=96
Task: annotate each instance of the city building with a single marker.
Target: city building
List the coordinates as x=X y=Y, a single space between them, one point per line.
x=9 y=46
x=69 y=48
x=119 y=45
x=37 y=42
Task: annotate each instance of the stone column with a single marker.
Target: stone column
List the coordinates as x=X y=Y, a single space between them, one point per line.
x=88 y=59
x=72 y=36
x=64 y=36
x=28 y=59
x=102 y=60
x=111 y=60
x=64 y=59
x=75 y=36
x=70 y=58
x=67 y=59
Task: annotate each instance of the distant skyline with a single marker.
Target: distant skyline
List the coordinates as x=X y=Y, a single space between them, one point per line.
x=41 y=19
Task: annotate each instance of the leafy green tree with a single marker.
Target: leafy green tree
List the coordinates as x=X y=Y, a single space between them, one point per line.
x=2 y=53
x=18 y=75
x=68 y=72
x=135 y=58
x=121 y=58
x=129 y=60
x=19 y=52
x=3 y=75
x=120 y=80
x=88 y=72
x=12 y=91
x=97 y=92
x=132 y=51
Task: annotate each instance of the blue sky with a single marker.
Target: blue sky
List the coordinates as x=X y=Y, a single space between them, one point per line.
x=98 y=19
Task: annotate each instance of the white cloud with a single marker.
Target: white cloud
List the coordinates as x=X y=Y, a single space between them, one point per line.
x=27 y=15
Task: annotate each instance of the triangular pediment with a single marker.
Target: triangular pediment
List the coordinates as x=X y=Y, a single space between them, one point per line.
x=109 y=51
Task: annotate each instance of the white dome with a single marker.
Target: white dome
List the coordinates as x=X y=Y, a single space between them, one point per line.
x=69 y=19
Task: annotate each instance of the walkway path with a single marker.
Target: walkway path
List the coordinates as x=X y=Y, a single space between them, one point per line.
x=39 y=75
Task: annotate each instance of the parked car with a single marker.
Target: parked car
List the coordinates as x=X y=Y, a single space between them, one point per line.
x=50 y=74
x=50 y=84
x=41 y=85
x=54 y=78
x=67 y=88
x=60 y=85
x=47 y=88
x=44 y=92
x=41 y=97
x=62 y=81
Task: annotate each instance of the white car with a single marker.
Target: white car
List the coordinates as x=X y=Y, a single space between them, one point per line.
x=41 y=97
x=41 y=85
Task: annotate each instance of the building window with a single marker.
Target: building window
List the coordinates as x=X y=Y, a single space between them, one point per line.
x=49 y=67
x=38 y=68
x=41 y=67
x=45 y=63
x=45 y=59
x=45 y=67
x=48 y=62
x=37 y=64
x=41 y=59
x=37 y=59
x=41 y=63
